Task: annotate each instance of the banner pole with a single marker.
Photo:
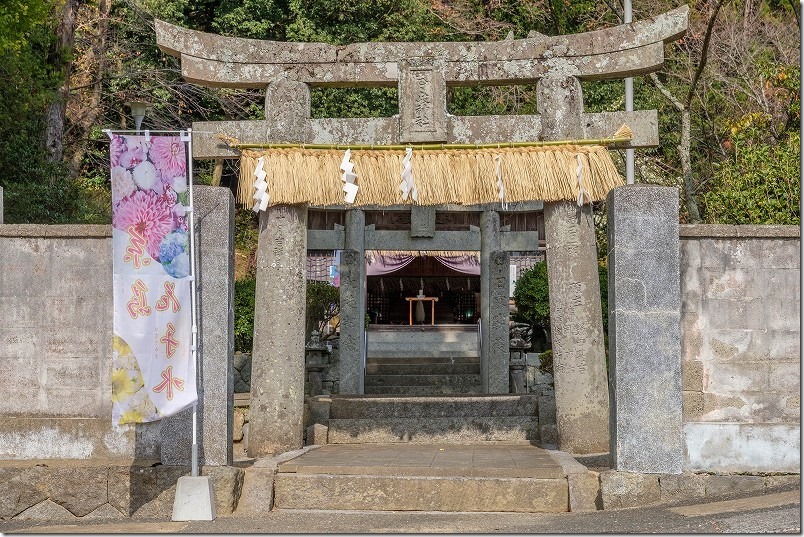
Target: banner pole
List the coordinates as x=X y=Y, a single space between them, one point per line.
x=194 y=347
x=195 y=495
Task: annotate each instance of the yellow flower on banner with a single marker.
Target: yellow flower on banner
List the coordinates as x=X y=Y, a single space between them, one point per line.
x=130 y=416
x=123 y=386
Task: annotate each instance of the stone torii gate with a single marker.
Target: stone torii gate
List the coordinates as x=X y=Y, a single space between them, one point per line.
x=422 y=72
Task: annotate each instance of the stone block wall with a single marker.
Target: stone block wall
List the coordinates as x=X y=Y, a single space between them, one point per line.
x=741 y=382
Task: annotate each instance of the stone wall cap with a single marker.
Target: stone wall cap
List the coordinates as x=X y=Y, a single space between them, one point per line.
x=726 y=231
x=84 y=231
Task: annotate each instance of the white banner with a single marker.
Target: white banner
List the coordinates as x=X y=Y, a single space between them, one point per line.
x=153 y=370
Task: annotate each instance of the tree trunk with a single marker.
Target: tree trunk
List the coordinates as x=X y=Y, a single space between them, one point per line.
x=91 y=109
x=60 y=60
x=684 y=154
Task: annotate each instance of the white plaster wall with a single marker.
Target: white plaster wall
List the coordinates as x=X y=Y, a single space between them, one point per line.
x=740 y=288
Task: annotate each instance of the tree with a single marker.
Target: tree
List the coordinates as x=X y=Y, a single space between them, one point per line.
x=18 y=20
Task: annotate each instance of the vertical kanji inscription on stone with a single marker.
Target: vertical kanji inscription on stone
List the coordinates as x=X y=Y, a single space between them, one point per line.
x=422 y=101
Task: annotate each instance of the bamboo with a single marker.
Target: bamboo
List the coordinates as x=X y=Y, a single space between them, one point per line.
x=434 y=147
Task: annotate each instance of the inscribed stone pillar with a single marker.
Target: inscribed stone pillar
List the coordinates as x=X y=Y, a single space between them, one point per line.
x=277 y=367
x=644 y=329
x=579 y=360
x=353 y=303
x=287 y=111
x=494 y=284
x=214 y=229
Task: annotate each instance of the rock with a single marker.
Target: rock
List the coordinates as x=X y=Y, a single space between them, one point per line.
x=257 y=496
x=549 y=433
x=773 y=482
x=80 y=490
x=584 y=492
x=130 y=488
x=237 y=427
x=46 y=510
x=317 y=434
x=677 y=487
x=105 y=511
x=722 y=485
x=228 y=484
x=22 y=488
x=625 y=489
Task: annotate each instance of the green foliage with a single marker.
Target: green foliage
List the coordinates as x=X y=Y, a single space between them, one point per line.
x=353 y=102
x=532 y=296
x=338 y=22
x=323 y=304
x=244 y=314
x=759 y=184
x=19 y=19
x=246 y=230
x=546 y=362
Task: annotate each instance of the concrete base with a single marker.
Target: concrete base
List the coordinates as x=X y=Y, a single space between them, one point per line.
x=195 y=499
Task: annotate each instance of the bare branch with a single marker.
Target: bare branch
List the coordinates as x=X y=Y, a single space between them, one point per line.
x=666 y=92
x=704 y=51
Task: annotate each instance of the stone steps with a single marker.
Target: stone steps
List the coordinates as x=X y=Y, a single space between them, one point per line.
x=359 y=407
x=424 y=354
x=420 y=390
x=420 y=375
x=454 y=381
x=437 y=368
x=435 y=477
x=426 y=419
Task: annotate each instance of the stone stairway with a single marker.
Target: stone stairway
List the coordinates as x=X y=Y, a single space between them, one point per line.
x=451 y=419
x=423 y=375
x=423 y=438
x=422 y=360
x=433 y=477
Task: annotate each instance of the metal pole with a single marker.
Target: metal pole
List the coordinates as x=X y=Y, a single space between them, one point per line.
x=193 y=275
x=629 y=102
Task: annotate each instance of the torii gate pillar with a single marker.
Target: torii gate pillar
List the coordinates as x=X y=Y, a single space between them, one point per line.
x=579 y=359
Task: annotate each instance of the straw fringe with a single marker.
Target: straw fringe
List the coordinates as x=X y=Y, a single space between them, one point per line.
x=464 y=177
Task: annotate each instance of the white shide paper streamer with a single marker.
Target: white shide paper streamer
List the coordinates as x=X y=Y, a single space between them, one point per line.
x=260 y=187
x=581 y=190
x=500 y=185
x=348 y=177
x=408 y=186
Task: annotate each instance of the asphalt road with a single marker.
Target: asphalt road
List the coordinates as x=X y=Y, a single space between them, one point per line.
x=771 y=513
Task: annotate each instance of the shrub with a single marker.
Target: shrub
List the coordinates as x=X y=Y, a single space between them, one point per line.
x=244 y=314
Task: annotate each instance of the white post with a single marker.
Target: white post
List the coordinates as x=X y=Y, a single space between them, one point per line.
x=195 y=496
x=193 y=299
x=629 y=102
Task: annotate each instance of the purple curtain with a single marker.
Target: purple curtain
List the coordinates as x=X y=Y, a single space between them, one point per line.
x=385 y=264
x=466 y=264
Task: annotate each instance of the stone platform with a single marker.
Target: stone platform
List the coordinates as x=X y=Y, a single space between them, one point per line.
x=429 y=477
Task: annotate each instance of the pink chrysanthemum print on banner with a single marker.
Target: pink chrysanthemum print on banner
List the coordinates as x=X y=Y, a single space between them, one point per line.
x=136 y=151
x=149 y=214
x=117 y=147
x=167 y=154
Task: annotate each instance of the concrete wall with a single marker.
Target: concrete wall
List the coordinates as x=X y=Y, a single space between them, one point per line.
x=740 y=289
x=55 y=347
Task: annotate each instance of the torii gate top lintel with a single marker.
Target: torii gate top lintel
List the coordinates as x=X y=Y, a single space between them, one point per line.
x=422 y=71
x=617 y=52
